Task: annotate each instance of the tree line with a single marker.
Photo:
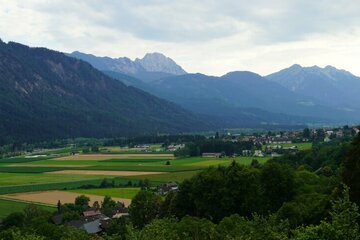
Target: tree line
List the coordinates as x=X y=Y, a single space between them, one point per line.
x=196 y=148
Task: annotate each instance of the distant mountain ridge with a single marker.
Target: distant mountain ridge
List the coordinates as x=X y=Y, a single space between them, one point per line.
x=151 y=66
x=236 y=91
x=295 y=95
x=328 y=85
x=45 y=94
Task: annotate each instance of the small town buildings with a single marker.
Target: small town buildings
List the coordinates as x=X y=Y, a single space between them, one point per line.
x=174 y=147
x=92 y=220
x=246 y=153
x=120 y=212
x=214 y=155
x=91 y=213
x=167 y=187
x=258 y=153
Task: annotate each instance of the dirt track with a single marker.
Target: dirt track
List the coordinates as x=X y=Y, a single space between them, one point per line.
x=52 y=197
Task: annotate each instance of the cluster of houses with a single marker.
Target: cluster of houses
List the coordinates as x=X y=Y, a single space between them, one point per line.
x=142 y=147
x=167 y=187
x=278 y=150
x=92 y=220
x=174 y=147
x=274 y=142
x=338 y=133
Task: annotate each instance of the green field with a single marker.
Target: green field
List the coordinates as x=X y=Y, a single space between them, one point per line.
x=22 y=174
x=112 y=192
x=10 y=206
x=21 y=159
x=206 y=162
x=11 y=179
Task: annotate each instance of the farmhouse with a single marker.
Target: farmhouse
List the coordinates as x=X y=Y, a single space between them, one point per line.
x=246 y=152
x=215 y=155
x=258 y=153
x=91 y=213
x=167 y=187
x=92 y=226
x=174 y=147
x=120 y=211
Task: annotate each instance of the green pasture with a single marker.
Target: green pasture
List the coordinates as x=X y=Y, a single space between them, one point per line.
x=28 y=169
x=10 y=206
x=22 y=159
x=151 y=164
x=63 y=185
x=11 y=179
x=206 y=162
x=128 y=193
x=33 y=177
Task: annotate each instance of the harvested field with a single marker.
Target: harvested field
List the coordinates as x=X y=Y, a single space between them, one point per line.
x=52 y=197
x=104 y=173
x=97 y=157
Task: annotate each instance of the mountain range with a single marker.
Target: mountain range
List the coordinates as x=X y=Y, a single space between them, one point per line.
x=294 y=95
x=328 y=85
x=47 y=94
x=151 y=67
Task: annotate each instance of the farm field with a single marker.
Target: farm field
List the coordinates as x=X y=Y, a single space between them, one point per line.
x=10 y=206
x=10 y=179
x=47 y=179
x=52 y=197
x=127 y=193
x=204 y=162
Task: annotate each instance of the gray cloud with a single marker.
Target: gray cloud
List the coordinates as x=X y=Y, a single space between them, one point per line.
x=177 y=21
x=207 y=36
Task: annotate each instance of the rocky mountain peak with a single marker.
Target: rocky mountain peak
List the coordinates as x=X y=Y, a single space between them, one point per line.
x=158 y=62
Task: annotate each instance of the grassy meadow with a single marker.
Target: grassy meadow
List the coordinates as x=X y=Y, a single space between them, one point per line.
x=9 y=206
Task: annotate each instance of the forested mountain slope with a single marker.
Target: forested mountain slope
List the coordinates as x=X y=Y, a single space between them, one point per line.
x=46 y=94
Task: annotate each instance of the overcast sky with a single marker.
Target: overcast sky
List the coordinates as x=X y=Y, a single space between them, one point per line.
x=211 y=37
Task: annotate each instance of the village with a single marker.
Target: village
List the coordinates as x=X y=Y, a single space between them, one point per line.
x=284 y=142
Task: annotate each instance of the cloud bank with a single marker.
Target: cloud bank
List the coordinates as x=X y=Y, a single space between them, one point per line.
x=212 y=37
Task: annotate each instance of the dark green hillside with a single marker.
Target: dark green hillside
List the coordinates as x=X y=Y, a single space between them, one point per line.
x=45 y=94
x=240 y=98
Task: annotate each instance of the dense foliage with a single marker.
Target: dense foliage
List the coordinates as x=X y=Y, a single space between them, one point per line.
x=196 y=148
x=321 y=155
x=148 y=139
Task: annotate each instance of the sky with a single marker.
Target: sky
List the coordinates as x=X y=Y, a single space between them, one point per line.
x=211 y=37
